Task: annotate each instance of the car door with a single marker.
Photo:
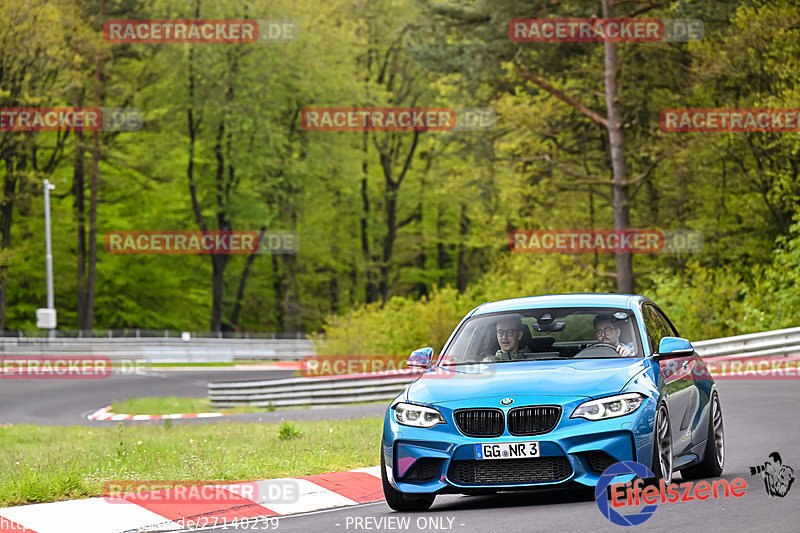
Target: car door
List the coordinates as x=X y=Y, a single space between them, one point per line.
x=693 y=369
x=681 y=391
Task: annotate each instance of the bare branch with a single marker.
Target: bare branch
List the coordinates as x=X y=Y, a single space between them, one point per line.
x=644 y=174
x=409 y=157
x=586 y=179
x=558 y=94
x=416 y=215
x=647 y=8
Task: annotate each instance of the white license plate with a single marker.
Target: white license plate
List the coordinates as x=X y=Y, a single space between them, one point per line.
x=507 y=450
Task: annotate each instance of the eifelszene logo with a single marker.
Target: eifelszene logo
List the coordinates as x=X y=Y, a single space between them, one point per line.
x=632 y=494
x=619 y=469
x=778 y=477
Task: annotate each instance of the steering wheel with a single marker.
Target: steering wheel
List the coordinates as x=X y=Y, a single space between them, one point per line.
x=588 y=350
x=602 y=345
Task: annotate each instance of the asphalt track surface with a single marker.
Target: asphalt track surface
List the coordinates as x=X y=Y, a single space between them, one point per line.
x=760 y=417
x=67 y=402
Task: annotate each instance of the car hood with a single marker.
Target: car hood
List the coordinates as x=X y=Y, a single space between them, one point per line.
x=588 y=378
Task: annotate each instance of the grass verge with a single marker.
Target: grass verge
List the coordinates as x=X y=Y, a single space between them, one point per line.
x=166 y=406
x=45 y=464
x=208 y=364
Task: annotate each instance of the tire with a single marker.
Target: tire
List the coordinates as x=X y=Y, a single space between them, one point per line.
x=662 y=447
x=399 y=501
x=714 y=458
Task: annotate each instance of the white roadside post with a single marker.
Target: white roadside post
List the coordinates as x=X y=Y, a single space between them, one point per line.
x=46 y=318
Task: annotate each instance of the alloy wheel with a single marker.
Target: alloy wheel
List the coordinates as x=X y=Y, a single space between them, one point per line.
x=664 y=443
x=719 y=432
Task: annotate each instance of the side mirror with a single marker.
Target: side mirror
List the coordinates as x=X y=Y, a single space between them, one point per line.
x=420 y=358
x=674 y=345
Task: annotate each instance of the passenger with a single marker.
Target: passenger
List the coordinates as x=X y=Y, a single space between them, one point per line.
x=509 y=333
x=607 y=331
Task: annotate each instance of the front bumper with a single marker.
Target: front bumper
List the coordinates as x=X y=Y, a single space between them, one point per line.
x=441 y=459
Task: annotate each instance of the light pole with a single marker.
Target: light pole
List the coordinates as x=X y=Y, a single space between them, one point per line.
x=48 y=244
x=46 y=318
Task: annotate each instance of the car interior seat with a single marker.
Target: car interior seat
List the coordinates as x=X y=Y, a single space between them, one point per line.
x=541 y=345
x=625 y=331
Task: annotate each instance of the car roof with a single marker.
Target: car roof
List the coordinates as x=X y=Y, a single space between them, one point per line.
x=624 y=301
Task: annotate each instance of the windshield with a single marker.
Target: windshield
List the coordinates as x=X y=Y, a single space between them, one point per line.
x=538 y=334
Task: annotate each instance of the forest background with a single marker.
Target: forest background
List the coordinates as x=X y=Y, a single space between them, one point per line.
x=400 y=233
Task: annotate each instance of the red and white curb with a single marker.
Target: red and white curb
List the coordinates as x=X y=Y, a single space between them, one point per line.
x=106 y=414
x=139 y=513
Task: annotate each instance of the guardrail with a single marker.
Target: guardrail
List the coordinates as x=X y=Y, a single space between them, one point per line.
x=145 y=333
x=776 y=343
x=310 y=391
x=161 y=350
x=363 y=387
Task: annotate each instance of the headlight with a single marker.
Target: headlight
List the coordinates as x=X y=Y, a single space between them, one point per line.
x=417 y=416
x=611 y=407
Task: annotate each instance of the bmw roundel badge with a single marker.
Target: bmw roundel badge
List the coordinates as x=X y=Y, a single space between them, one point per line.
x=507 y=401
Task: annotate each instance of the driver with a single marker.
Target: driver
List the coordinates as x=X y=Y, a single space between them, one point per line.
x=509 y=333
x=607 y=331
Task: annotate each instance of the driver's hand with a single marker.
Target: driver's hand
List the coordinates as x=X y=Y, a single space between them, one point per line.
x=623 y=351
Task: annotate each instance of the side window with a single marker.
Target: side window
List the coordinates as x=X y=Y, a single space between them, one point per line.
x=668 y=327
x=654 y=326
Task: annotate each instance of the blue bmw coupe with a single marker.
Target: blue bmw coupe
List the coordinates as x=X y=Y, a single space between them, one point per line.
x=548 y=392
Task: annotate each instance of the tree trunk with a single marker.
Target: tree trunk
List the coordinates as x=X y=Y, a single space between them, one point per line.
x=462 y=275
x=333 y=293
x=6 y=211
x=612 y=123
x=79 y=206
x=292 y=321
x=237 y=305
x=219 y=261
x=388 y=241
x=443 y=259
x=217 y=273
x=79 y=193
x=619 y=197
x=371 y=289
x=277 y=286
x=93 y=190
x=391 y=189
